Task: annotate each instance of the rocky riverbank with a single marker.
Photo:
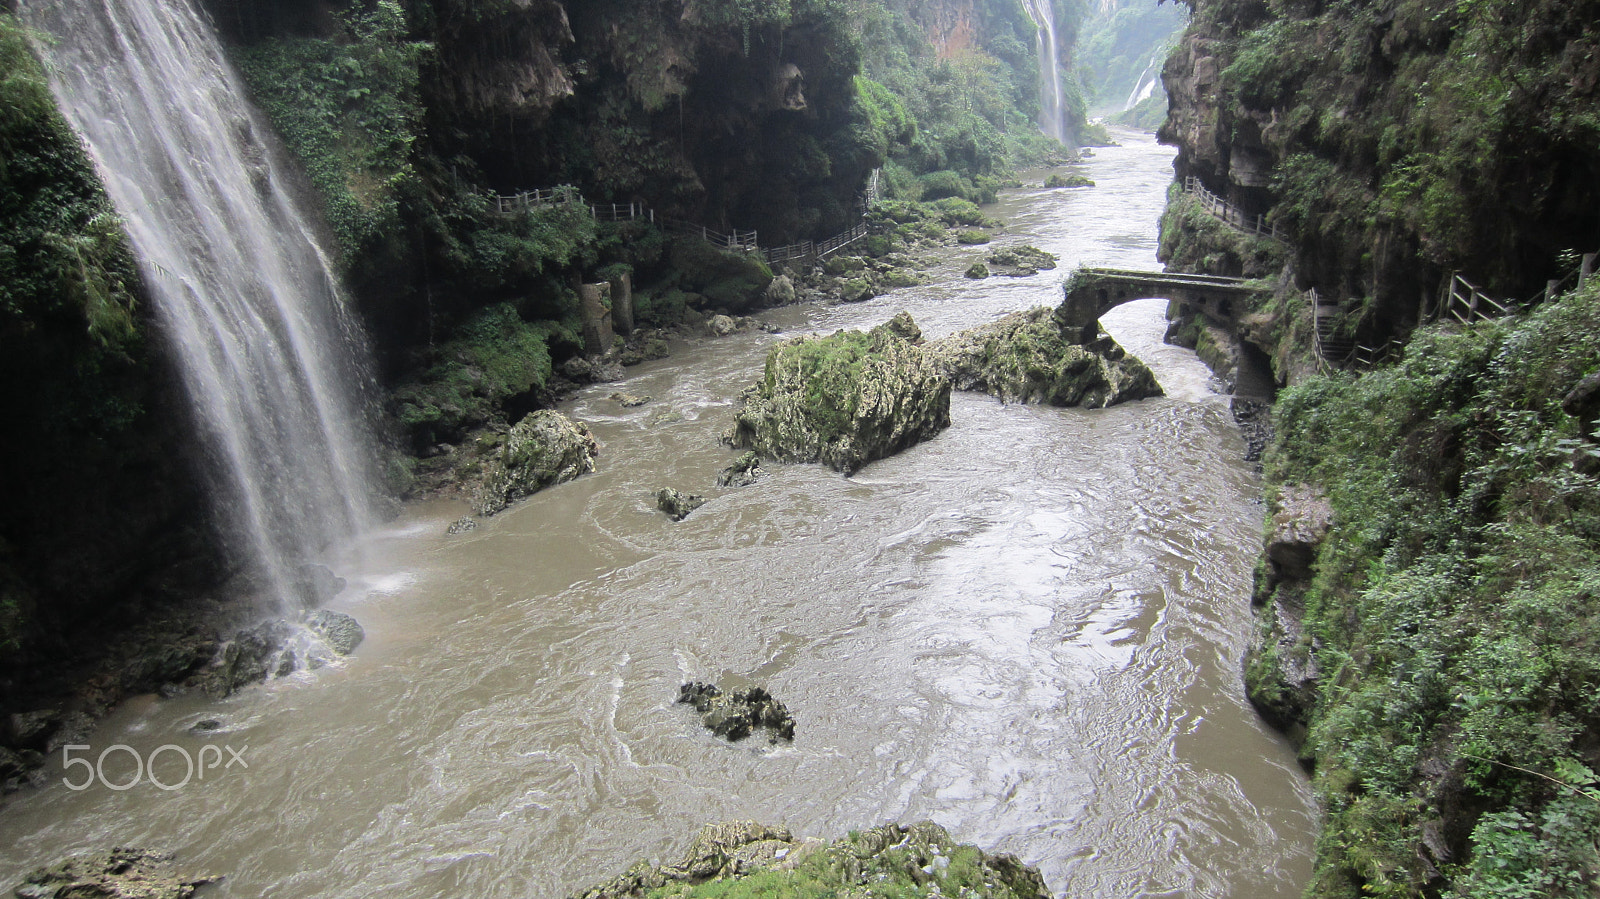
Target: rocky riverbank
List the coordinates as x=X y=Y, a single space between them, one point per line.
x=746 y=860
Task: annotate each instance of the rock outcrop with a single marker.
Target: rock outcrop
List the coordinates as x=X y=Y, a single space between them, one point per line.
x=544 y=449
x=737 y=713
x=742 y=473
x=1025 y=358
x=122 y=873
x=920 y=859
x=844 y=400
x=1299 y=525
x=1020 y=261
x=677 y=504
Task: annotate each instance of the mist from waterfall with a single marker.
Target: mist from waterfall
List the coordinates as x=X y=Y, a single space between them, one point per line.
x=274 y=363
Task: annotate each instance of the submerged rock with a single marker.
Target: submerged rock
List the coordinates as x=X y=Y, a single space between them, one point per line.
x=1025 y=358
x=122 y=873
x=844 y=400
x=742 y=473
x=461 y=526
x=544 y=449
x=676 y=504
x=251 y=656
x=630 y=401
x=735 y=715
x=890 y=860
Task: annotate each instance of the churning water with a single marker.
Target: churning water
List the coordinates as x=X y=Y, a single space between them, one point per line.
x=1028 y=629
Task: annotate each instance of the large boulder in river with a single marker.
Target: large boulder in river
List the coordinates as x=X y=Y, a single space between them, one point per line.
x=544 y=449
x=844 y=400
x=119 y=874
x=1025 y=358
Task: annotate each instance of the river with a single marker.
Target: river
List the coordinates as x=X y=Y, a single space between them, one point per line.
x=1028 y=629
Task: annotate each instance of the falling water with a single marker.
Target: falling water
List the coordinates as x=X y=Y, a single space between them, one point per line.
x=272 y=360
x=1051 y=120
x=1149 y=79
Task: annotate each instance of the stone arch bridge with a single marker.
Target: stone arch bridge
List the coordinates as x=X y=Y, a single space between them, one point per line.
x=1092 y=292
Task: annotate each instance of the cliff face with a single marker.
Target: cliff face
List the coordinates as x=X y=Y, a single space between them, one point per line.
x=1427 y=620
x=1399 y=142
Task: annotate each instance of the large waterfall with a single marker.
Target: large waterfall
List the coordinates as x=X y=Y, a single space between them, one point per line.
x=272 y=360
x=1052 y=121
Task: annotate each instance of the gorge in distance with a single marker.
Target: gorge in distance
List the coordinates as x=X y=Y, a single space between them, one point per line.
x=812 y=448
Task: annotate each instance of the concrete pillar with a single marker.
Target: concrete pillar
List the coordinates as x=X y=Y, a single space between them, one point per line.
x=592 y=306
x=622 y=303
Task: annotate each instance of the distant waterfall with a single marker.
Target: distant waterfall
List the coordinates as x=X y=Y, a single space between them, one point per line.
x=273 y=362
x=1149 y=80
x=1052 y=119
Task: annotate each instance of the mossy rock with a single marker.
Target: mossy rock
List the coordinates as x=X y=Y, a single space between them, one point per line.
x=844 y=400
x=973 y=238
x=978 y=271
x=899 y=277
x=544 y=449
x=1060 y=181
x=729 y=280
x=494 y=357
x=746 y=860
x=1025 y=358
x=1021 y=261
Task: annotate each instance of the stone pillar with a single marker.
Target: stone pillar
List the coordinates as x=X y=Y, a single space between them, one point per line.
x=622 y=303
x=597 y=333
x=1586 y=271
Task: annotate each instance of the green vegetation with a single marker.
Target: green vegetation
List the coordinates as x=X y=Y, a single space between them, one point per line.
x=1406 y=136
x=1192 y=239
x=496 y=357
x=72 y=341
x=348 y=105
x=957 y=122
x=1454 y=613
x=1121 y=41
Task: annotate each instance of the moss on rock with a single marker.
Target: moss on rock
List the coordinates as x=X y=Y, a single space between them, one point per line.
x=544 y=449
x=844 y=400
x=1024 y=358
x=745 y=860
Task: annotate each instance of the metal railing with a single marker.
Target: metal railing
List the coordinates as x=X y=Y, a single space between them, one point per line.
x=737 y=241
x=1229 y=214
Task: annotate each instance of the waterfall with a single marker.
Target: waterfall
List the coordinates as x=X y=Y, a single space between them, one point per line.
x=1149 y=80
x=1051 y=119
x=273 y=362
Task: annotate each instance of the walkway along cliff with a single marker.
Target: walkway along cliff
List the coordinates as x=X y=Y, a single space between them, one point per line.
x=1417 y=188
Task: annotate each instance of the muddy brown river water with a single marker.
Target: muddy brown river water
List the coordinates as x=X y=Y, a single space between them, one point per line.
x=1028 y=630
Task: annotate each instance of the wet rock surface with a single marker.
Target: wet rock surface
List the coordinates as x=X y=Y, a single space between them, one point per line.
x=844 y=400
x=122 y=873
x=1023 y=357
x=892 y=860
x=544 y=449
x=339 y=631
x=677 y=504
x=736 y=714
x=742 y=473
x=1020 y=261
